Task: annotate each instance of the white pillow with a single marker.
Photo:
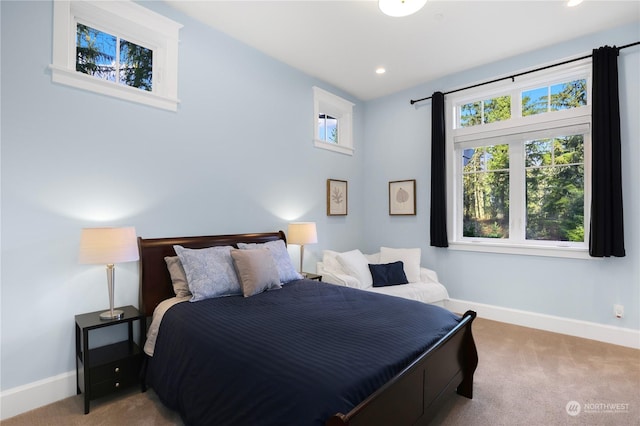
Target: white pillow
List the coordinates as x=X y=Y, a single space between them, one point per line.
x=330 y=262
x=409 y=257
x=373 y=258
x=355 y=264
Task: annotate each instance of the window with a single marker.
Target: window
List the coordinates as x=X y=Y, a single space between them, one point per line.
x=119 y=49
x=485 y=111
x=518 y=165
x=111 y=58
x=333 y=117
x=327 y=128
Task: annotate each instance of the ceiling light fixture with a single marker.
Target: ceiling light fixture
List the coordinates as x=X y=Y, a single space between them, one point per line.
x=572 y=3
x=380 y=70
x=399 y=8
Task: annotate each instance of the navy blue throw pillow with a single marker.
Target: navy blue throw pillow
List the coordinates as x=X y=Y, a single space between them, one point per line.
x=388 y=274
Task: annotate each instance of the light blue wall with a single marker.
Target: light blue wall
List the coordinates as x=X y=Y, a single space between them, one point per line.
x=236 y=157
x=398 y=139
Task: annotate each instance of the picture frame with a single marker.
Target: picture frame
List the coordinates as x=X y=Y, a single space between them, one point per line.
x=337 y=197
x=402 y=197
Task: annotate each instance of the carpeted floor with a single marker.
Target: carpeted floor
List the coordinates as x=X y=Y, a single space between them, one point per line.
x=524 y=377
x=529 y=377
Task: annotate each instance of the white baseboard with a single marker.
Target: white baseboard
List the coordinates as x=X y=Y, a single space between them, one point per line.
x=37 y=394
x=588 y=330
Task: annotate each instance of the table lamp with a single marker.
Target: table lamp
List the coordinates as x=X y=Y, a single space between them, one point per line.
x=301 y=233
x=109 y=246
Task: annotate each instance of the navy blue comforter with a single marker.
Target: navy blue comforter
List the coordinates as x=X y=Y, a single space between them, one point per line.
x=293 y=356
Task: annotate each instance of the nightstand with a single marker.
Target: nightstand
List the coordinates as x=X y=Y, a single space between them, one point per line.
x=310 y=276
x=107 y=369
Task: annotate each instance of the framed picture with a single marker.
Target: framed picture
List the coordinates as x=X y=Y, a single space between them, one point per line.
x=336 y=197
x=402 y=197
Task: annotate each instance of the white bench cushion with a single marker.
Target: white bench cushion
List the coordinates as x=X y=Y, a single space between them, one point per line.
x=426 y=289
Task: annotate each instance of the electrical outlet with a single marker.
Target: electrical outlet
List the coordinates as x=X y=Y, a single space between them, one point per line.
x=618 y=311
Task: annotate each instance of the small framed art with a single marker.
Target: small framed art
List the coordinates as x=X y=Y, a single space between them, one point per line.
x=402 y=197
x=336 y=197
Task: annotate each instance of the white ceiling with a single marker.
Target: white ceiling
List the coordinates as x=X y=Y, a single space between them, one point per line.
x=343 y=42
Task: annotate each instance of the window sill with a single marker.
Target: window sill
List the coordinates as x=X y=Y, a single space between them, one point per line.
x=92 y=84
x=527 y=250
x=333 y=147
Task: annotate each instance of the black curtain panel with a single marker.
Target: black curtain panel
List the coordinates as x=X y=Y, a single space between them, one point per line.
x=607 y=230
x=438 y=220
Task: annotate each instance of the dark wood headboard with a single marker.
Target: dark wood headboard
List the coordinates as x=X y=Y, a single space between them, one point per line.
x=155 y=281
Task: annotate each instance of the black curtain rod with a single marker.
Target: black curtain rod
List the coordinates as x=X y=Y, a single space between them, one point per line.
x=512 y=77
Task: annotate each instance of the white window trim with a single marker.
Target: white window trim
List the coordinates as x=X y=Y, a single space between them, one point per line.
x=576 y=117
x=342 y=110
x=126 y=19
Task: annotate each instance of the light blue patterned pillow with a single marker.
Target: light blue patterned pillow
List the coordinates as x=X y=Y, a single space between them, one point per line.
x=280 y=255
x=210 y=272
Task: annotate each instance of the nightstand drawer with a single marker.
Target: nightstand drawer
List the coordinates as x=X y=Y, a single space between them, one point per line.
x=117 y=370
x=107 y=387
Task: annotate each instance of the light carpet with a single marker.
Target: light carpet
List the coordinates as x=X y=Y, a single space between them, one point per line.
x=524 y=377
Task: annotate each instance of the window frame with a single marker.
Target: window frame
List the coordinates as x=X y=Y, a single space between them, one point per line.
x=127 y=20
x=516 y=131
x=342 y=110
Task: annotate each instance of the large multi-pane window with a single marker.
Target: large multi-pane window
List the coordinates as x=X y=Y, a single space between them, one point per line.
x=519 y=174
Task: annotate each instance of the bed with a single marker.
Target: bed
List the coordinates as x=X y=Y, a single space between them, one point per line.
x=310 y=353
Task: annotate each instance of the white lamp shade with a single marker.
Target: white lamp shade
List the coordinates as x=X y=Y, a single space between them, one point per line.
x=302 y=233
x=399 y=8
x=108 y=245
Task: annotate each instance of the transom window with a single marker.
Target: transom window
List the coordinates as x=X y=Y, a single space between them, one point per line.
x=116 y=48
x=112 y=58
x=519 y=175
x=485 y=111
x=555 y=98
x=333 y=121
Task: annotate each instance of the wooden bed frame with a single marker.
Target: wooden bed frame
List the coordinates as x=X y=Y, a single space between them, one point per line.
x=411 y=397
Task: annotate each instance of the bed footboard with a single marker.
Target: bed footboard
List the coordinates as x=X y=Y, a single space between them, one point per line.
x=415 y=394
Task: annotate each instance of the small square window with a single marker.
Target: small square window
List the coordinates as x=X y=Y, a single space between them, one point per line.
x=333 y=121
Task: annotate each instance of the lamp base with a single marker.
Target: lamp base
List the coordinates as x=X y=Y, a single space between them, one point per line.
x=117 y=314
